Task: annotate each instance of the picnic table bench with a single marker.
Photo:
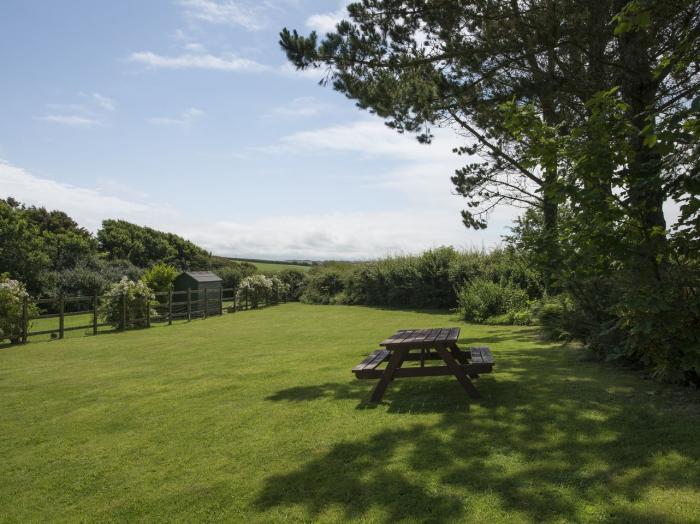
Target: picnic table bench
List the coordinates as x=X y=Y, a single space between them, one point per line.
x=432 y=344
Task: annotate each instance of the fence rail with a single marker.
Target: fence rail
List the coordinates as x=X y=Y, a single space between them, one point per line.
x=168 y=306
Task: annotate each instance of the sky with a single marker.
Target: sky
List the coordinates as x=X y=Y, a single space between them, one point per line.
x=184 y=115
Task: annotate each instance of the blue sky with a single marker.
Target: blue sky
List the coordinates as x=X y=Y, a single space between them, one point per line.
x=184 y=115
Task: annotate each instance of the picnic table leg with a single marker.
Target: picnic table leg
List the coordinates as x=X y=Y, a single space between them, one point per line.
x=395 y=362
x=463 y=358
x=458 y=372
x=460 y=355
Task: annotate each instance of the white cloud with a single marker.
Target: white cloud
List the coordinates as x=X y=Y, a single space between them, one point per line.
x=368 y=137
x=70 y=120
x=88 y=206
x=248 y=15
x=301 y=107
x=350 y=236
x=196 y=57
x=357 y=235
x=103 y=102
x=86 y=114
x=326 y=22
x=195 y=47
x=197 y=61
x=184 y=119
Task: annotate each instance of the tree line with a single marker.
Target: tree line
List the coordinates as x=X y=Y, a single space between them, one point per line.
x=51 y=254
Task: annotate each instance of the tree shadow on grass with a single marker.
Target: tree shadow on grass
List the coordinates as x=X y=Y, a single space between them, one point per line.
x=552 y=440
x=428 y=395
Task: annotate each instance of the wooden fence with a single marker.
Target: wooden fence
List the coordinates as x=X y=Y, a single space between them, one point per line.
x=168 y=306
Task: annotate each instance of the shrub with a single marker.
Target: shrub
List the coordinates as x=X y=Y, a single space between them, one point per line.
x=160 y=277
x=254 y=289
x=12 y=322
x=514 y=317
x=322 y=285
x=482 y=298
x=125 y=304
x=428 y=280
x=233 y=274
x=279 y=290
x=81 y=280
x=295 y=280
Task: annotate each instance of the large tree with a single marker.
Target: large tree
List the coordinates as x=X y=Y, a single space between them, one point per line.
x=454 y=63
x=475 y=65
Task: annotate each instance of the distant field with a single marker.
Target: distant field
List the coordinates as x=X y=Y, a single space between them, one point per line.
x=273 y=267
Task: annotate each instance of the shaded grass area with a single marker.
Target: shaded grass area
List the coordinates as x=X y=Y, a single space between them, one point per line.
x=255 y=416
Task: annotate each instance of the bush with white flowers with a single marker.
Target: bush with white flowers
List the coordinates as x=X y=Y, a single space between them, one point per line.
x=126 y=303
x=280 y=290
x=254 y=289
x=12 y=320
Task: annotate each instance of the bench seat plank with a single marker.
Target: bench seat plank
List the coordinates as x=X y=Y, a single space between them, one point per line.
x=372 y=361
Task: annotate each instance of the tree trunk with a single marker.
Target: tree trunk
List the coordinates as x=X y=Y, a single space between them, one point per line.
x=646 y=193
x=550 y=203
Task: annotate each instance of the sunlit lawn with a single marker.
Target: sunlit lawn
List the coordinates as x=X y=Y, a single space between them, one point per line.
x=256 y=417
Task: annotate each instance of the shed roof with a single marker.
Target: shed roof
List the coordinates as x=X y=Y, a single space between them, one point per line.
x=204 y=276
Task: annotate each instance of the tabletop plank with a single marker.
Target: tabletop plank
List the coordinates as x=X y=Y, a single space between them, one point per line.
x=421 y=338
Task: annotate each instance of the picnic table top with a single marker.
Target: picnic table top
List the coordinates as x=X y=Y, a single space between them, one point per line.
x=421 y=338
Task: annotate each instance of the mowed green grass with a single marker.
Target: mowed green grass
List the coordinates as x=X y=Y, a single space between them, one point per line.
x=256 y=417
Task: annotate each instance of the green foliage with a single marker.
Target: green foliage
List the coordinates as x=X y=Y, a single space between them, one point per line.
x=513 y=317
x=233 y=274
x=90 y=275
x=322 y=285
x=429 y=280
x=481 y=299
x=22 y=253
x=160 y=277
x=126 y=304
x=295 y=280
x=144 y=246
x=13 y=296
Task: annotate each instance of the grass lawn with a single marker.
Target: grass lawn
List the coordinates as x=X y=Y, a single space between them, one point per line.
x=255 y=417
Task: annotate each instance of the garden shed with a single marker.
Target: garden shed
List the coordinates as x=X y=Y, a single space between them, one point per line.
x=198 y=282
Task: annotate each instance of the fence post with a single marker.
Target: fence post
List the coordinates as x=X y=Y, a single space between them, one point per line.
x=189 y=304
x=221 y=301
x=25 y=320
x=61 y=316
x=170 y=307
x=94 y=313
x=124 y=311
x=206 y=302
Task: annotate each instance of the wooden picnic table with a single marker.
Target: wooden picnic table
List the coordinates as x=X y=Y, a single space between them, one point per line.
x=432 y=344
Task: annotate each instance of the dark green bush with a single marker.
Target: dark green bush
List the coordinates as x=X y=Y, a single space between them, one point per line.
x=322 y=286
x=429 y=280
x=296 y=280
x=481 y=299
